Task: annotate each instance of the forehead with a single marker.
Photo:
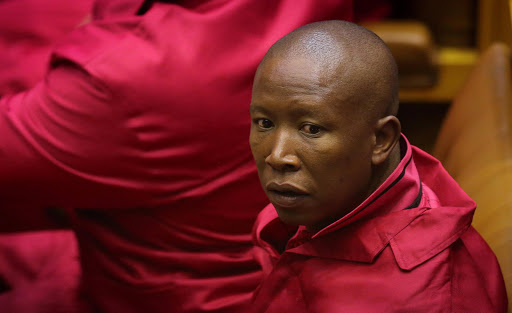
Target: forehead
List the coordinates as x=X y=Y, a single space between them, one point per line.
x=299 y=84
x=294 y=71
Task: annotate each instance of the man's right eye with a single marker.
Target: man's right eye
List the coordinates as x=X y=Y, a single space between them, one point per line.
x=264 y=123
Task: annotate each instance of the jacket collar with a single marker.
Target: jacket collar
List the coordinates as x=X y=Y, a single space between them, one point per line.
x=399 y=213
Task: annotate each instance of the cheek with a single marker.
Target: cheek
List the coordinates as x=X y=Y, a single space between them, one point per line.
x=345 y=191
x=258 y=148
x=254 y=141
x=344 y=176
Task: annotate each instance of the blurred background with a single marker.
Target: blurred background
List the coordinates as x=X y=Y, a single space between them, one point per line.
x=436 y=44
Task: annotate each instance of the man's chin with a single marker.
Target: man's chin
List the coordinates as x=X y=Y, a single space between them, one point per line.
x=291 y=218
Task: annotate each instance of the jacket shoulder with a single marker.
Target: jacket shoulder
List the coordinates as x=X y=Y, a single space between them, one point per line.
x=477 y=282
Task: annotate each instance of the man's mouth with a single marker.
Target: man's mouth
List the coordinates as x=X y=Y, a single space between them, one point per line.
x=289 y=194
x=285 y=194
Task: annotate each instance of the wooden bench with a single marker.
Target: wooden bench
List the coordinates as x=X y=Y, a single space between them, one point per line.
x=475 y=146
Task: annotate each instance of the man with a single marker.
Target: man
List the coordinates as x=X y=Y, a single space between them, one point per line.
x=360 y=220
x=138 y=133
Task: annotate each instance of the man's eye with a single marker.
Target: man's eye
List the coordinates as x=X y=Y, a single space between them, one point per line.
x=264 y=123
x=311 y=129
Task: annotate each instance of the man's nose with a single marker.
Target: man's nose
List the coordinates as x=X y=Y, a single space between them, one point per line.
x=283 y=156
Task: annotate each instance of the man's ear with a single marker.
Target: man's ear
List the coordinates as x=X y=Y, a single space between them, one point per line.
x=387 y=134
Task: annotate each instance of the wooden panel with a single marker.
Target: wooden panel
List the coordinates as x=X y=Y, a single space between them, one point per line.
x=494 y=23
x=454 y=65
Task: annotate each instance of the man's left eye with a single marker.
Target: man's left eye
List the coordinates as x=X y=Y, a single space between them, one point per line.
x=311 y=129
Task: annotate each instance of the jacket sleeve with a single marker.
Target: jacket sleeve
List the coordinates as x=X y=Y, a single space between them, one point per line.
x=65 y=143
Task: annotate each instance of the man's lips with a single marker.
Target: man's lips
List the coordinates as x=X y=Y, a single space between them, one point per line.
x=285 y=194
x=285 y=188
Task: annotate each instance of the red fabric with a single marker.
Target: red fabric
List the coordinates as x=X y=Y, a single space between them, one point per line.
x=28 y=30
x=104 y=9
x=391 y=254
x=140 y=131
x=41 y=271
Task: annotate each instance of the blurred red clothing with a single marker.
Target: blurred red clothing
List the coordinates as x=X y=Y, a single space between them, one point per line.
x=409 y=247
x=28 y=30
x=41 y=272
x=140 y=132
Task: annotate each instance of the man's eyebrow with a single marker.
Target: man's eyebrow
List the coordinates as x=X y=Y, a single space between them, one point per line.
x=309 y=109
x=296 y=111
x=254 y=108
x=301 y=111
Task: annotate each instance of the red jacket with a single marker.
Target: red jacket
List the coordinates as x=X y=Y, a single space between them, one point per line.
x=139 y=131
x=409 y=247
x=28 y=30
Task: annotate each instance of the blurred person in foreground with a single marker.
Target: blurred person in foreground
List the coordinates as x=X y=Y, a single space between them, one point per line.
x=37 y=268
x=28 y=31
x=360 y=220
x=138 y=137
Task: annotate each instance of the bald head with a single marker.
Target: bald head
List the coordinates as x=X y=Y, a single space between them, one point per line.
x=350 y=59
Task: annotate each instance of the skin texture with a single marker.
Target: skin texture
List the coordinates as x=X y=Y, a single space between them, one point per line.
x=324 y=133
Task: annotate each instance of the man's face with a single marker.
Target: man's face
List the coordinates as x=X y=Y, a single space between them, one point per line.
x=312 y=149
